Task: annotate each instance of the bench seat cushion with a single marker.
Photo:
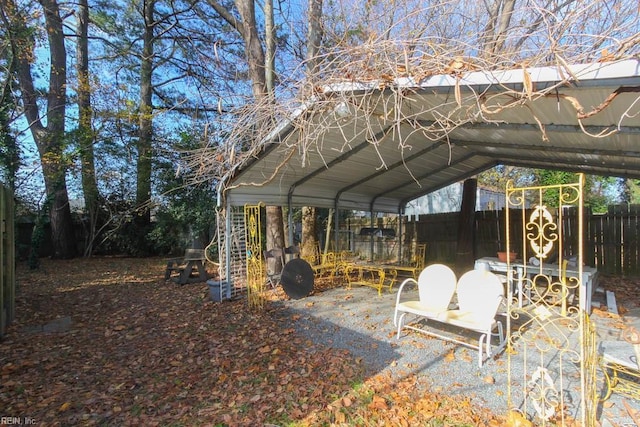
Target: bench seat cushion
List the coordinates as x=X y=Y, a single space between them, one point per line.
x=421 y=309
x=467 y=319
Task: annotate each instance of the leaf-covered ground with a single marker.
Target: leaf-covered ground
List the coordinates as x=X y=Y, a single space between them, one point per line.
x=107 y=341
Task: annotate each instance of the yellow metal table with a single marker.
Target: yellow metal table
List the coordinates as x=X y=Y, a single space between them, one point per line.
x=365 y=275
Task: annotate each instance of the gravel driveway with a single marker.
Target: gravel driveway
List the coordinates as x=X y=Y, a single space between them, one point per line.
x=360 y=321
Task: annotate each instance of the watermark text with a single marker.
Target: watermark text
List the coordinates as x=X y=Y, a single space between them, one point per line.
x=17 y=421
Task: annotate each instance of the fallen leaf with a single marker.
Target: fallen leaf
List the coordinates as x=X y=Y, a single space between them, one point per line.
x=527 y=83
x=516 y=419
x=634 y=413
x=457 y=93
x=489 y=379
x=378 y=403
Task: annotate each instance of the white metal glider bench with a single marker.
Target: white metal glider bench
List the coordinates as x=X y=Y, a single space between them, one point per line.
x=479 y=296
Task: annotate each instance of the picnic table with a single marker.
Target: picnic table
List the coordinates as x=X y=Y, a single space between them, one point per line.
x=190 y=267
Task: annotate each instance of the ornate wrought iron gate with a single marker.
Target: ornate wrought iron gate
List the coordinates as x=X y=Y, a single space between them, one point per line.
x=255 y=266
x=550 y=334
x=240 y=253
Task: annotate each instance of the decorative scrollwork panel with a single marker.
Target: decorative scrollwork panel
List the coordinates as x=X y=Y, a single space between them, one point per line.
x=550 y=337
x=255 y=266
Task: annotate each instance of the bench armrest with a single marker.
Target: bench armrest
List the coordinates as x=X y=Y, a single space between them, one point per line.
x=409 y=280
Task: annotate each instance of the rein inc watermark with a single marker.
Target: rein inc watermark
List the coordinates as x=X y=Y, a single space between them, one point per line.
x=17 y=421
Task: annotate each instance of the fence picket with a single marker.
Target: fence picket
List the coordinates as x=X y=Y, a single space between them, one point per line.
x=611 y=240
x=7 y=259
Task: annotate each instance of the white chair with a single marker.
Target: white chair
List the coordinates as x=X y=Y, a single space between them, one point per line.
x=480 y=294
x=436 y=286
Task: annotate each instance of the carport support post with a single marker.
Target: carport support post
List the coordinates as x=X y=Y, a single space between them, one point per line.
x=400 y=228
x=466 y=222
x=336 y=228
x=290 y=224
x=372 y=238
x=227 y=247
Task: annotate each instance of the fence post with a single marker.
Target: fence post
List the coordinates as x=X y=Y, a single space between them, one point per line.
x=3 y=261
x=7 y=259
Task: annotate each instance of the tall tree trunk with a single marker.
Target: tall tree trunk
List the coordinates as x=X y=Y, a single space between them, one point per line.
x=309 y=240
x=50 y=140
x=275 y=218
x=261 y=75
x=465 y=244
x=51 y=143
x=254 y=52
x=143 y=181
x=275 y=228
x=270 y=44
x=258 y=72
x=314 y=41
x=85 y=131
x=500 y=13
x=315 y=34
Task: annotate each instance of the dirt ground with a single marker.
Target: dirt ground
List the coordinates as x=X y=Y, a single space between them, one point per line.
x=107 y=341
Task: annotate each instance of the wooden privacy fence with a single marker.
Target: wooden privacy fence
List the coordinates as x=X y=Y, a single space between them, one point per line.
x=7 y=260
x=611 y=240
x=615 y=239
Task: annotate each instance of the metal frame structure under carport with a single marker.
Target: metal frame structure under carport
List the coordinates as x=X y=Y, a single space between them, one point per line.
x=346 y=149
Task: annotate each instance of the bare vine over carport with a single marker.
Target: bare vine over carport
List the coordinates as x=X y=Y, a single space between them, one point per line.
x=374 y=94
x=376 y=145
x=392 y=117
x=349 y=149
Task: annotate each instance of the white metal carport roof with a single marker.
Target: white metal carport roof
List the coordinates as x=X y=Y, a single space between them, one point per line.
x=359 y=155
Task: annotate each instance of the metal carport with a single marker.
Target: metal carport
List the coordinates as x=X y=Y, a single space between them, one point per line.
x=375 y=145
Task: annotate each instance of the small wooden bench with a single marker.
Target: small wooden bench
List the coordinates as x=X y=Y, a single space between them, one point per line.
x=192 y=262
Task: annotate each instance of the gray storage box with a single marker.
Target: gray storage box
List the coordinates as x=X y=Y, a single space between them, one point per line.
x=217 y=288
